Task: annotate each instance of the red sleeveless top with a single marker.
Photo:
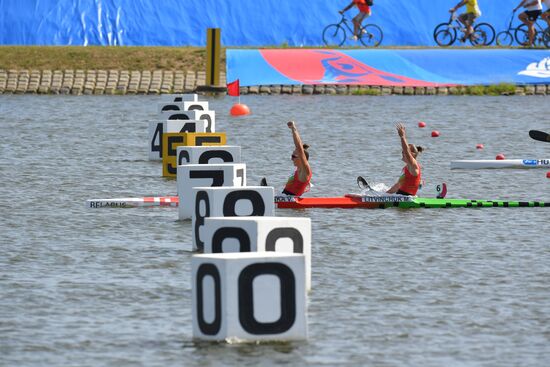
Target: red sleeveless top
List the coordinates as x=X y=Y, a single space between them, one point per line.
x=410 y=183
x=295 y=186
x=362 y=6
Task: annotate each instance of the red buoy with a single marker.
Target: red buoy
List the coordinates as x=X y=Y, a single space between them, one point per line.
x=435 y=134
x=479 y=146
x=421 y=124
x=500 y=157
x=548 y=174
x=239 y=109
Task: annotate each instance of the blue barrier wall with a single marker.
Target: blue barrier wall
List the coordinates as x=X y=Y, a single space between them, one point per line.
x=243 y=22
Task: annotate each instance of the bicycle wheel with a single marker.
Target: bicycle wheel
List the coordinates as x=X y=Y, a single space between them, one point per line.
x=334 y=35
x=505 y=39
x=445 y=37
x=478 y=38
x=445 y=26
x=371 y=35
x=485 y=32
x=522 y=36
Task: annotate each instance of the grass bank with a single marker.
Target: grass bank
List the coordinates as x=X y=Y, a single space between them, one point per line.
x=103 y=58
x=153 y=70
x=111 y=57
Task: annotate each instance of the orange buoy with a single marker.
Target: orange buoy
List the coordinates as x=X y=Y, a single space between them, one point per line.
x=239 y=109
x=435 y=134
x=421 y=124
x=500 y=157
x=479 y=146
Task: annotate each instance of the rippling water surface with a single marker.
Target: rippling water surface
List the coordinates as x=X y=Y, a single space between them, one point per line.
x=441 y=287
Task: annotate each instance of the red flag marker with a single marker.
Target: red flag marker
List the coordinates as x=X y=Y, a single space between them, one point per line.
x=233 y=89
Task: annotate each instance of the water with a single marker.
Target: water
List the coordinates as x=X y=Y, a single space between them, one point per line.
x=455 y=287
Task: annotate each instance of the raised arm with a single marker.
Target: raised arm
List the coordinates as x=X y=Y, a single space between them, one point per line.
x=412 y=165
x=303 y=165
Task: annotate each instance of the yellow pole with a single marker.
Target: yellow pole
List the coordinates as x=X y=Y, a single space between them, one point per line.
x=213 y=50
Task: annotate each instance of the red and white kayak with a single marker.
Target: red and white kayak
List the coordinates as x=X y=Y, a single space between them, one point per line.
x=345 y=202
x=133 y=202
x=281 y=201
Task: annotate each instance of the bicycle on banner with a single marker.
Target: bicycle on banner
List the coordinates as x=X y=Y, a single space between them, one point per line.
x=540 y=39
x=521 y=34
x=529 y=17
x=506 y=38
x=370 y=35
x=445 y=34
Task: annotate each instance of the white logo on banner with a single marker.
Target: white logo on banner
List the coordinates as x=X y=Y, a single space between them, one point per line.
x=539 y=69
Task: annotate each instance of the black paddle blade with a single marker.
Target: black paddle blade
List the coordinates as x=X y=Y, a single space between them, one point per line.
x=539 y=135
x=362 y=183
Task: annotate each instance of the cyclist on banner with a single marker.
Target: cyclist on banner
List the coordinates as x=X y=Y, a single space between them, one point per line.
x=364 y=11
x=533 y=8
x=468 y=18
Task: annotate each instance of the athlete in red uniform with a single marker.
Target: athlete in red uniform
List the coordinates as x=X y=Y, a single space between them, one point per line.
x=298 y=183
x=409 y=182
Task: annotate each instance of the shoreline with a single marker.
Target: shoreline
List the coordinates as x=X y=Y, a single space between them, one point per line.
x=126 y=82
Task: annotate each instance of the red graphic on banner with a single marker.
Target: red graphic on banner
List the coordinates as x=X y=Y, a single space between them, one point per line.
x=333 y=67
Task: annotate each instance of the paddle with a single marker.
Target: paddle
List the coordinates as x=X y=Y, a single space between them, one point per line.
x=539 y=135
x=364 y=185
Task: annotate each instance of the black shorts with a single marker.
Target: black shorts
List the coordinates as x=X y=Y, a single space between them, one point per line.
x=532 y=15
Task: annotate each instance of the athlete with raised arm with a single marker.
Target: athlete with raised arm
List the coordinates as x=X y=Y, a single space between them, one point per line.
x=299 y=182
x=410 y=180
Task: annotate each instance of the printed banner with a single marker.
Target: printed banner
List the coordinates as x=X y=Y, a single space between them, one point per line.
x=429 y=67
x=243 y=22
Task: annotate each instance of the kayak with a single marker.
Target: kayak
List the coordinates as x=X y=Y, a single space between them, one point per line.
x=366 y=202
x=503 y=163
x=348 y=201
x=133 y=202
x=173 y=201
